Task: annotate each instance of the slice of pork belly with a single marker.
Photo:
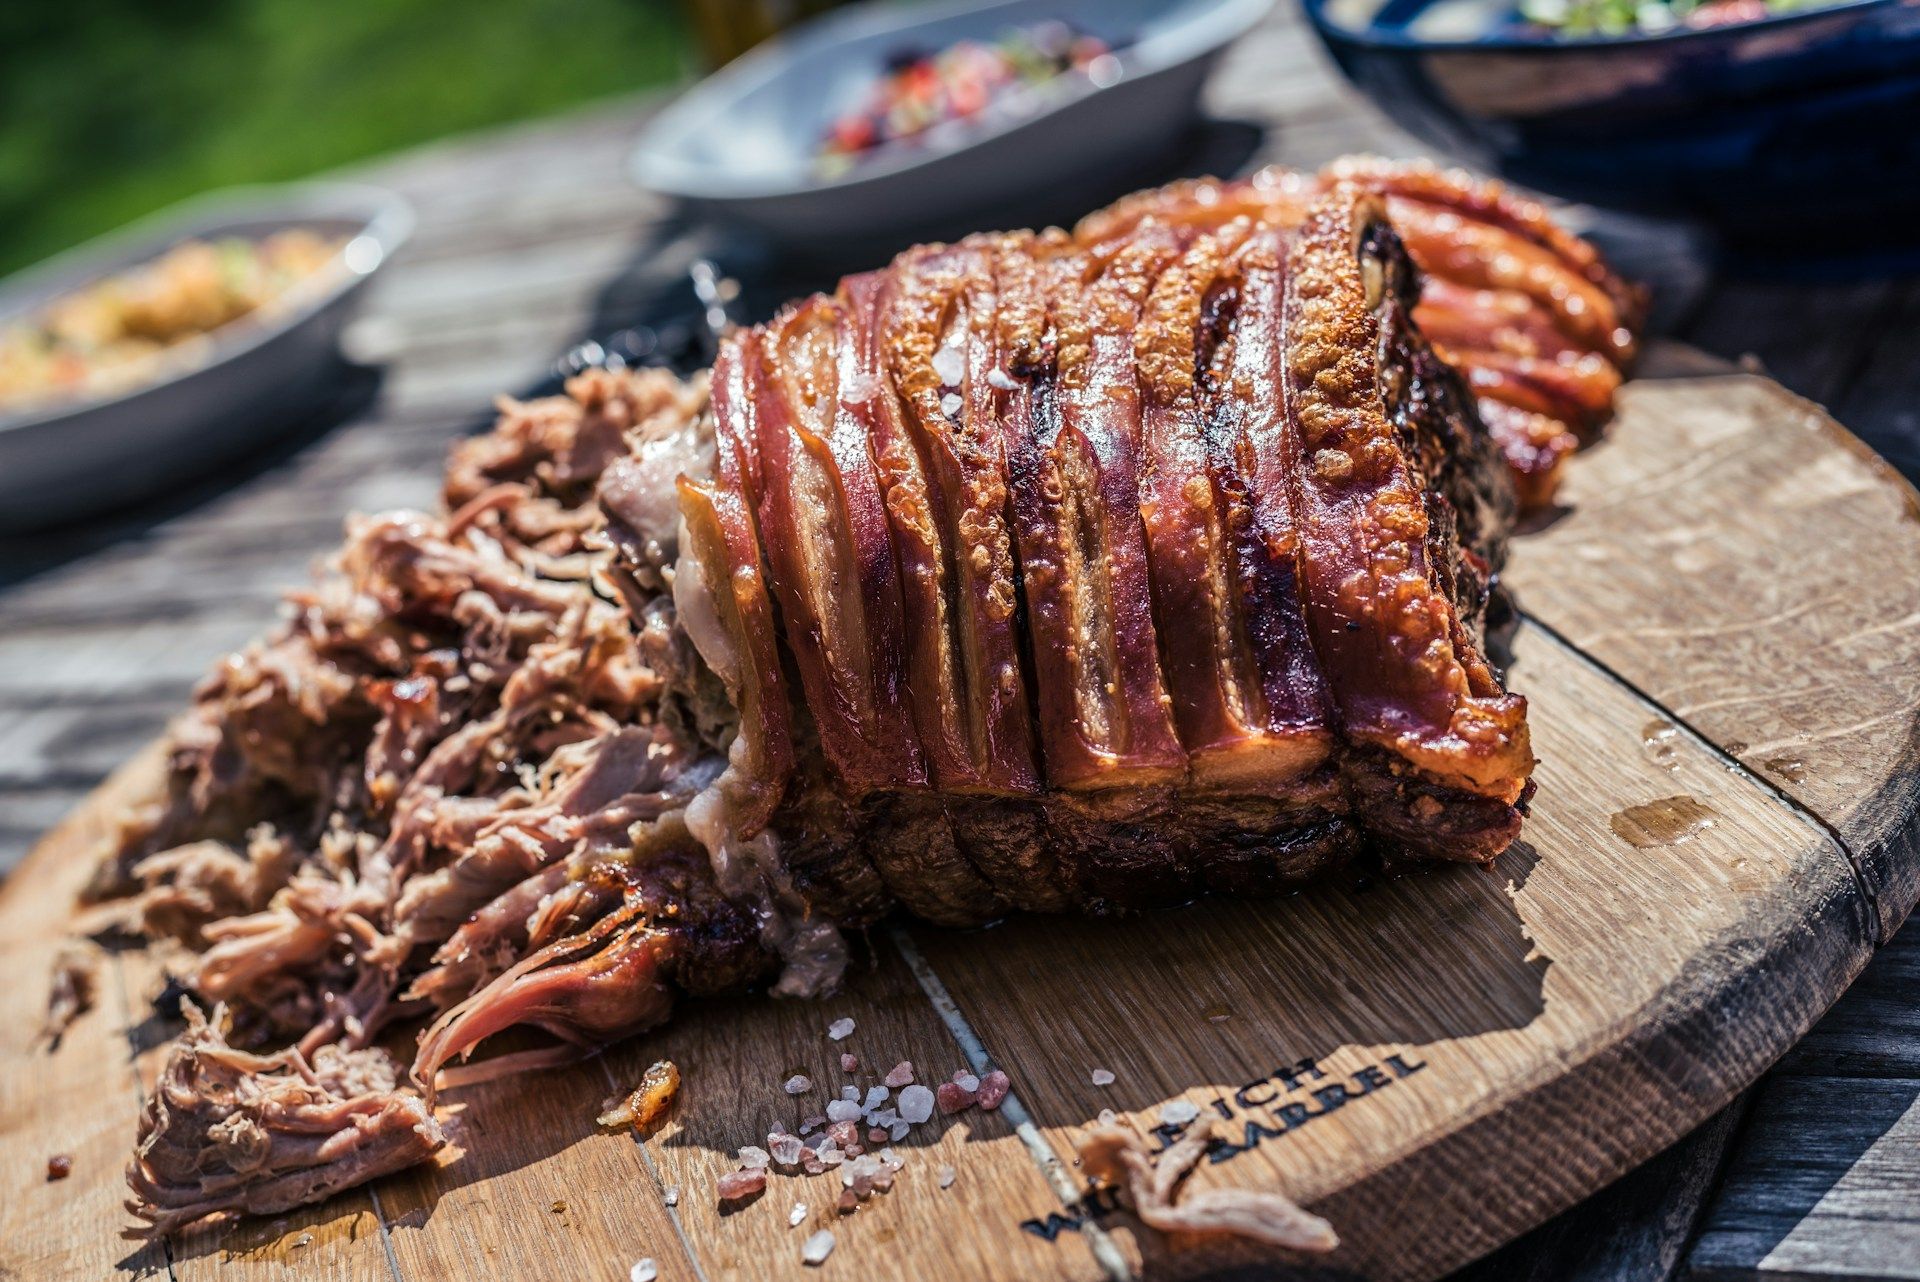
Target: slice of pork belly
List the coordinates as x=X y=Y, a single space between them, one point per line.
x=1376 y=525
x=824 y=534
x=1247 y=691
x=941 y=305
x=1072 y=433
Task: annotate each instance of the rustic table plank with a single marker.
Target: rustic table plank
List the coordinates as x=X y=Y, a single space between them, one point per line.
x=1826 y=1185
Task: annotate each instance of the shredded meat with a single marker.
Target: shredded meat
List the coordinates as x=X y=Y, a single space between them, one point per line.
x=71 y=990
x=1117 y=1155
x=225 y=1130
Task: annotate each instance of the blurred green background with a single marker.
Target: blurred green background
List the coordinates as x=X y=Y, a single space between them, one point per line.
x=110 y=109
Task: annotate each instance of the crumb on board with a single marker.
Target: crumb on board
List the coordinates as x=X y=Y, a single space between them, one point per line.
x=644 y=1105
x=1118 y=1156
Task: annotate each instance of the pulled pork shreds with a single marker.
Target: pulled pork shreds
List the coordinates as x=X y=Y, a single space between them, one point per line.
x=451 y=784
x=70 y=991
x=1117 y=1155
x=226 y=1130
x=648 y=1101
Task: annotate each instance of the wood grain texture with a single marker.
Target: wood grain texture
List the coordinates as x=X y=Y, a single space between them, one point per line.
x=1827 y=1186
x=1731 y=552
x=1577 y=1007
x=79 y=1100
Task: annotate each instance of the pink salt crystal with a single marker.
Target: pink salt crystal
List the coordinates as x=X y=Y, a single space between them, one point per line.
x=840 y=1029
x=848 y=1203
x=1102 y=1077
x=901 y=1075
x=916 y=1105
x=813 y=1122
x=993 y=1088
x=735 y=1185
x=844 y=1133
x=952 y=1099
x=849 y=1063
x=785 y=1149
x=798 y=1084
x=966 y=1081
x=753 y=1157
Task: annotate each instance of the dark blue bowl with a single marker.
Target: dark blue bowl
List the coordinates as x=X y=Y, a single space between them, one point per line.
x=1800 y=131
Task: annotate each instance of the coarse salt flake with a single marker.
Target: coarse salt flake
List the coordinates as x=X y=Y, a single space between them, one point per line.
x=999 y=378
x=843 y=1110
x=786 y=1150
x=950 y=404
x=735 y=1185
x=966 y=1081
x=947 y=1176
x=916 y=1104
x=840 y=1029
x=643 y=1271
x=818 y=1248
x=672 y=1195
x=1102 y=1077
x=1178 y=1112
x=951 y=1098
x=753 y=1157
x=876 y=1096
x=797 y=1214
x=798 y=1084
x=950 y=365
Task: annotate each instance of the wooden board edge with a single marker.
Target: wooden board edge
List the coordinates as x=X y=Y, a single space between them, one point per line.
x=1628 y=1096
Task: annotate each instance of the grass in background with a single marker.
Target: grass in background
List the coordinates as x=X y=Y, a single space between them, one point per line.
x=110 y=109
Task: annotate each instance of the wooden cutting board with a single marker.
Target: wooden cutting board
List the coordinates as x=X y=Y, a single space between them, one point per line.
x=1722 y=648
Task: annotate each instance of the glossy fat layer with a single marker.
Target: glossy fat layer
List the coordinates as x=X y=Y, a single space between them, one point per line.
x=1093 y=553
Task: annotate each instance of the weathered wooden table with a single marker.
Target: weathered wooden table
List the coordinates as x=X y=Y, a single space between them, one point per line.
x=532 y=238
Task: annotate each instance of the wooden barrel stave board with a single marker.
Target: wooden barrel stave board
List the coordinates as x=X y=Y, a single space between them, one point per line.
x=1726 y=612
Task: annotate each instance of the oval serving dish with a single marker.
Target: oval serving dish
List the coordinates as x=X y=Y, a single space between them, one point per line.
x=741 y=146
x=68 y=458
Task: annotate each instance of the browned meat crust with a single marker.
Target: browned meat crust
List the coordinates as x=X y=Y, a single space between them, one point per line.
x=1275 y=661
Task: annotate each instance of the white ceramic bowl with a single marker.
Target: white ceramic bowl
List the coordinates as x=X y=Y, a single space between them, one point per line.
x=254 y=377
x=741 y=145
